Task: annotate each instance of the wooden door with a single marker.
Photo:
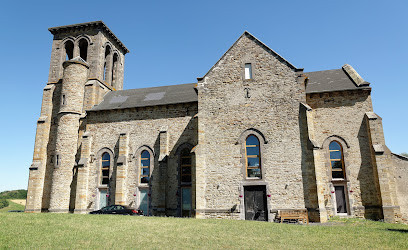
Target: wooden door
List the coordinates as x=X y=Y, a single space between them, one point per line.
x=255 y=203
x=341 y=200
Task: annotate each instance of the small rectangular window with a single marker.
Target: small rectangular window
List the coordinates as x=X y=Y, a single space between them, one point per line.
x=57 y=160
x=63 y=100
x=248 y=71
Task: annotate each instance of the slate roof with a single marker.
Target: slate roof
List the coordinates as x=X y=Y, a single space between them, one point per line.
x=330 y=80
x=319 y=81
x=172 y=94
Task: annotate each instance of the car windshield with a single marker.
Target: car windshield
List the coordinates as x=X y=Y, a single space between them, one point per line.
x=107 y=208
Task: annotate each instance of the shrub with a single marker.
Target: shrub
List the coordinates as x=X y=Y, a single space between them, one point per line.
x=3 y=203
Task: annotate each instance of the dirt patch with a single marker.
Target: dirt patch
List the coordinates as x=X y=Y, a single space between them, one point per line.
x=20 y=202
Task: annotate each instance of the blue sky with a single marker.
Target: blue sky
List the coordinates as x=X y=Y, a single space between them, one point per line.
x=174 y=42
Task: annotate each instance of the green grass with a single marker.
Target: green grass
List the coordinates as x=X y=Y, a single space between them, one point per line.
x=12 y=206
x=22 y=230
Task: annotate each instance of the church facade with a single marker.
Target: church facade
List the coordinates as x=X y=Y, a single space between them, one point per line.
x=253 y=136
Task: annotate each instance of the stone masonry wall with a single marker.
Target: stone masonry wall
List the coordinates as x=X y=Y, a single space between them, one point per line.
x=340 y=116
x=226 y=112
x=142 y=126
x=401 y=177
x=95 y=58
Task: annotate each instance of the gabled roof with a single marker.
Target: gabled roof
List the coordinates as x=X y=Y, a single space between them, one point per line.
x=102 y=25
x=250 y=36
x=331 y=80
x=132 y=98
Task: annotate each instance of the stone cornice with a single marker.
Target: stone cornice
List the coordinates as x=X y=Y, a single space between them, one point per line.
x=100 y=24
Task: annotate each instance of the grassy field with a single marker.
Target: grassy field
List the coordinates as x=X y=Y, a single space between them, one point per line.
x=12 y=206
x=21 y=230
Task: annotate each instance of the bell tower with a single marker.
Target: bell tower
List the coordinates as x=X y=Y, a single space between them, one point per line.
x=96 y=44
x=87 y=61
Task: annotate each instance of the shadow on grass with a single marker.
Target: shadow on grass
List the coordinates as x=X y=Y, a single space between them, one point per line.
x=397 y=230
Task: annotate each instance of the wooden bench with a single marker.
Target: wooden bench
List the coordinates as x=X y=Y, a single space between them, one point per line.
x=294 y=214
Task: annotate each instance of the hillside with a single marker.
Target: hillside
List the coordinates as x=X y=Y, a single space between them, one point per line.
x=14 y=194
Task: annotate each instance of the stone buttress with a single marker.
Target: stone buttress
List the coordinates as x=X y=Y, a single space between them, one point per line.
x=38 y=167
x=382 y=161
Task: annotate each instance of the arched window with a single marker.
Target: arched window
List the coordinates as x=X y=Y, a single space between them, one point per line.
x=336 y=160
x=144 y=167
x=185 y=182
x=105 y=66
x=105 y=166
x=83 y=48
x=69 y=50
x=185 y=166
x=114 y=69
x=104 y=71
x=253 y=157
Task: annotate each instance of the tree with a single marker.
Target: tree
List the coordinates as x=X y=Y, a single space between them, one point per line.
x=404 y=154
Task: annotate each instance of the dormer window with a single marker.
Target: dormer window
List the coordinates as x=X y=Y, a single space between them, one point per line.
x=248 y=71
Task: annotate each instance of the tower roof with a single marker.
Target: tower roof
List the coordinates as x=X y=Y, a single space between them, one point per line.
x=98 y=24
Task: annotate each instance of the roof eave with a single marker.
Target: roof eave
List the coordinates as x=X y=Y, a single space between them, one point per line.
x=144 y=106
x=56 y=30
x=339 y=90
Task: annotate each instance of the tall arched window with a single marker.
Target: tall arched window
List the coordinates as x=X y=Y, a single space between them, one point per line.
x=336 y=160
x=105 y=66
x=114 y=69
x=185 y=182
x=83 y=48
x=144 y=167
x=105 y=166
x=185 y=166
x=69 y=50
x=253 y=157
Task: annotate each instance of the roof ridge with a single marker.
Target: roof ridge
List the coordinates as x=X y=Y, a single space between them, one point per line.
x=322 y=70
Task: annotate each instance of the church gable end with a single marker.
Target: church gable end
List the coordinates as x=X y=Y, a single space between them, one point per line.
x=250 y=88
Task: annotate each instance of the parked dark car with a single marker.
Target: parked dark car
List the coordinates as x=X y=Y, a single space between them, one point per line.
x=117 y=209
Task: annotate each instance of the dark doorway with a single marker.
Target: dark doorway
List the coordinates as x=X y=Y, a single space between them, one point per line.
x=341 y=200
x=255 y=203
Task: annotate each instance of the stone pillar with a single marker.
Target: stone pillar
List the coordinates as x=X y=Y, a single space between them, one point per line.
x=90 y=94
x=320 y=171
x=382 y=163
x=164 y=144
x=37 y=168
x=81 y=198
x=199 y=182
x=76 y=51
x=320 y=166
x=121 y=170
x=72 y=96
x=160 y=179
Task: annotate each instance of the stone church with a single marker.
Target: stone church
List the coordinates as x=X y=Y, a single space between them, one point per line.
x=253 y=136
